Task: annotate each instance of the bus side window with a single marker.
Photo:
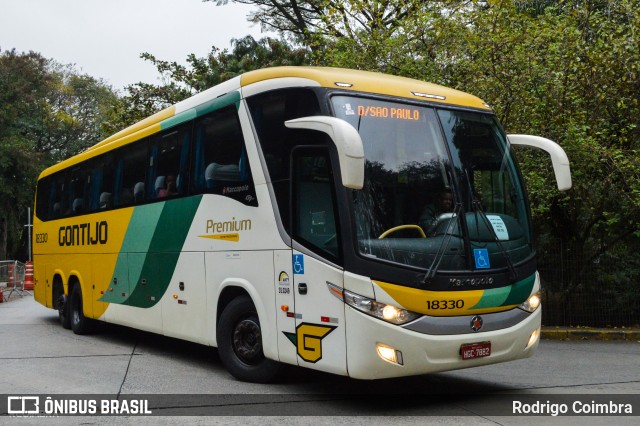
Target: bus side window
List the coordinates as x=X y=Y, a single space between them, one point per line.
x=104 y=182
x=314 y=210
x=269 y=111
x=46 y=194
x=79 y=193
x=133 y=169
x=220 y=164
x=58 y=196
x=43 y=191
x=170 y=152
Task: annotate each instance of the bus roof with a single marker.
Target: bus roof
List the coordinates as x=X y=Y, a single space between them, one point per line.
x=337 y=78
x=371 y=82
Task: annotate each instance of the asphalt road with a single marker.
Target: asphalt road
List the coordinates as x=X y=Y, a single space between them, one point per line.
x=38 y=356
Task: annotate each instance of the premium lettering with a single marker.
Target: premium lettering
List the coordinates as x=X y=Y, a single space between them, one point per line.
x=232 y=225
x=84 y=234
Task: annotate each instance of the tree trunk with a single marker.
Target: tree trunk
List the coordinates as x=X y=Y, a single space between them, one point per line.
x=4 y=225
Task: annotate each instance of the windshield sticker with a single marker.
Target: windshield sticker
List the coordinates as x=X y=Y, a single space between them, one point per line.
x=499 y=227
x=348 y=110
x=482 y=258
x=298 y=264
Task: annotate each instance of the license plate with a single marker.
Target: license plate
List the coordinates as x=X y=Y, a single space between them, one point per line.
x=475 y=350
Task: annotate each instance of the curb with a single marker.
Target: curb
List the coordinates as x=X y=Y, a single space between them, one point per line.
x=569 y=333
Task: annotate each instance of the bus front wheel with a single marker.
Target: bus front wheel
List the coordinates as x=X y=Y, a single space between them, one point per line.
x=240 y=343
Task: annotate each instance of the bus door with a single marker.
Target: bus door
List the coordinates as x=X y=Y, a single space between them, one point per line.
x=319 y=315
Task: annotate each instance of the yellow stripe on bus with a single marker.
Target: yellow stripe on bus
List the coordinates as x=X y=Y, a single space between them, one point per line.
x=225 y=237
x=439 y=303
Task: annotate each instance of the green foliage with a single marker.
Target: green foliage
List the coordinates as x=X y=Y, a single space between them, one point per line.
x=570 y=74
x=181 y=81
x=314 y=23
x=565 y=70
x=48 y=112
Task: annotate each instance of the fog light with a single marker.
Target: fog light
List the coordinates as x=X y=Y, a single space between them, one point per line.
x=534 y=338
x=389 y=354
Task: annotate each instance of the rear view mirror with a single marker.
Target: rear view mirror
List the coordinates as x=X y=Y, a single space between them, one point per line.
x=346 y=139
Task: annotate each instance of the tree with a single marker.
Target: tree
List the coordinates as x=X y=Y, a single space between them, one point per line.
x=75 y=113
x=570 y=74
x=313 y=23
x=48 y=112
x=181 y=81
x=565 y=70
x=23 y=84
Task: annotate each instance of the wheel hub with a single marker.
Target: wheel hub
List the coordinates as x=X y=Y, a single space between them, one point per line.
x=247 y=341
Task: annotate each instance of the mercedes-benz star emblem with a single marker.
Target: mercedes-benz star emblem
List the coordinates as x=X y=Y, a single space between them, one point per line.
x=476 y=323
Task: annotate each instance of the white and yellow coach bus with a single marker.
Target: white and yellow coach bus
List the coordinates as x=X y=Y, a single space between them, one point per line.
x=350 y=222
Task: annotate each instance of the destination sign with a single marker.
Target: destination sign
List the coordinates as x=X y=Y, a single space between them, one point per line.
x=389 y=112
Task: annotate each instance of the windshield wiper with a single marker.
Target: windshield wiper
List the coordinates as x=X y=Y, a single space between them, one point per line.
x=476 y=205
x=444 y=244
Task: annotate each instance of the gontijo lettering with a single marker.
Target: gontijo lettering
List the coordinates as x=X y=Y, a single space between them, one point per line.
x=84 y=234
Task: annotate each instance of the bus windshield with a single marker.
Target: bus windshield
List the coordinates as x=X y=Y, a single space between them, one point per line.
x=441 y=190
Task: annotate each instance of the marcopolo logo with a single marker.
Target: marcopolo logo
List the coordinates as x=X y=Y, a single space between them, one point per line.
x=84 y=234
x=234 y=189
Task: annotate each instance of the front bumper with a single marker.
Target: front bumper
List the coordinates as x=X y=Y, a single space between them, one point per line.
x=425 y=353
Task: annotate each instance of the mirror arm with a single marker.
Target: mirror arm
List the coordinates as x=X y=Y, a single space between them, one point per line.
x=559 y=158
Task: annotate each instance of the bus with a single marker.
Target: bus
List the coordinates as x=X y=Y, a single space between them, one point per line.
x=351 y=222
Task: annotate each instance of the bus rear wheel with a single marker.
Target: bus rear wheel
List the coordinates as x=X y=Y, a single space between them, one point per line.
x=240 y=343
x=79 y=323
x=63 y=311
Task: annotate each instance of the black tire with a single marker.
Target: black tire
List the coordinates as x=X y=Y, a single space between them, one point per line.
x=63 y=311
x=79 y=323
x=240 y=343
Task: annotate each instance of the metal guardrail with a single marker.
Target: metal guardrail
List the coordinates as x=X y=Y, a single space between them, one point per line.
x=12 y=275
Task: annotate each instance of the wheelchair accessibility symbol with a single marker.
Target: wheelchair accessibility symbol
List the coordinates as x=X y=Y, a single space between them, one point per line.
x=482 y=258
x=298 y=264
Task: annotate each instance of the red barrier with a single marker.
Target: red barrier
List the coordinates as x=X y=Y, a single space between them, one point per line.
x=28 y=275
x=12 y=276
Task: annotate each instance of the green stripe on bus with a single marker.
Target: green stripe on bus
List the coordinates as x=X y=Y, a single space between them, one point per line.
x=504 y=296
x=137 y=239
x=207 y=107
x=521 y=291
x=493 y=298
x=158 y=266
x=184 y=116
x=143 y=223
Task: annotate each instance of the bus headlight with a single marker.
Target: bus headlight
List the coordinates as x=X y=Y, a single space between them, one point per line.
x=389 y=313
x=532 y=303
